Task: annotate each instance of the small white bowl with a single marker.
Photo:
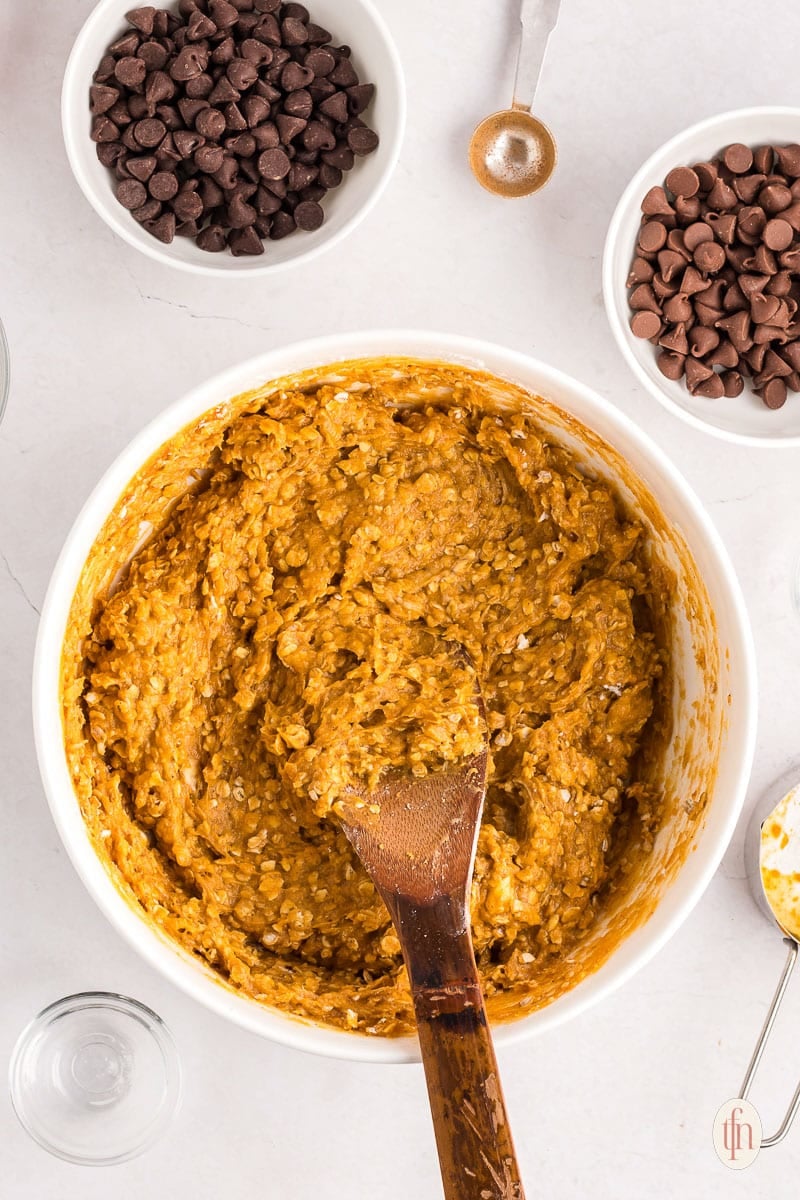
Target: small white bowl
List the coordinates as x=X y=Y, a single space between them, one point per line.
x=355 y=23
x=743 y=419
x=689 y=544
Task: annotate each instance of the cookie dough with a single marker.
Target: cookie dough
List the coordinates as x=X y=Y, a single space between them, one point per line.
x=288 y=627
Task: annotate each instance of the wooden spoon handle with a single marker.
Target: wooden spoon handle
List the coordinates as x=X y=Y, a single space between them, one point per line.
x=473 y=1136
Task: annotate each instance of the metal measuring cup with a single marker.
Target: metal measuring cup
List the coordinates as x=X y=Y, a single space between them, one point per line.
x=772 y=859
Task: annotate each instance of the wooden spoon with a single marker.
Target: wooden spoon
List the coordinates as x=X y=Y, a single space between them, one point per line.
x=416 y=839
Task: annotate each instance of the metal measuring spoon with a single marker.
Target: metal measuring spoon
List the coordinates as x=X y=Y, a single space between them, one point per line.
x=512 y=153
x=772 y=857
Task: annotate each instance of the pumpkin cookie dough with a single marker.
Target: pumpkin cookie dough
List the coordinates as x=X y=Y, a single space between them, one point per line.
x=288 y=627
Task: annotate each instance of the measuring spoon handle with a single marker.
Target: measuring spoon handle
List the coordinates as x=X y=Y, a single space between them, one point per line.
x=538 y=20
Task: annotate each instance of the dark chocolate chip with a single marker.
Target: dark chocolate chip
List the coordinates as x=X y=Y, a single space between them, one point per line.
x=295 y=32
x=245 y=242
x=320 y=62
x=104 y=130
x=212 y=239
x=266 y=136
x=301 y=176
x=359 y=97
x=240 y=214
x=210 y=123
x=255 y=109
x=243 y=145
x=309 y=215
x=208 y=158
x=289 y=127
x=131 y=193
x=224 y=92
x=343 y=74
x=317 y=36
x=234 y=118
x=148 y=212
x=125 y=46
x=187 y=206
x=102 y=98
x=341 y=156
x=317 y=137
x=299 y=103
x=294 y=77
x=330 y=176
x=180 y=81
x=274 y=164
x=282 y=225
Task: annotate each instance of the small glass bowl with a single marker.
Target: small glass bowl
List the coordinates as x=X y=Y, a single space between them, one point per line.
x=95 y=1078
x=5 y=371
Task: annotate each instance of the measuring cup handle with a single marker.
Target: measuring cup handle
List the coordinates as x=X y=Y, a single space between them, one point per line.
x=538 y=20
x=758 y=1053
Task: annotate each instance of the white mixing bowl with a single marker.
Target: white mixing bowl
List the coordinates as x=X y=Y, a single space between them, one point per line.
x=714 y=756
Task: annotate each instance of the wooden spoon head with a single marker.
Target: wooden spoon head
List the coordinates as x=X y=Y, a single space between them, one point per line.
x=417 y=837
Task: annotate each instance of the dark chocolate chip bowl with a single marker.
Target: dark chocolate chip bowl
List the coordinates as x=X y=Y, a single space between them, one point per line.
x=711 y=343
x=241 y=180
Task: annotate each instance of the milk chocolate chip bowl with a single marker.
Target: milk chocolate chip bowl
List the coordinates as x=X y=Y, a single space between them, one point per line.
x=256 y=609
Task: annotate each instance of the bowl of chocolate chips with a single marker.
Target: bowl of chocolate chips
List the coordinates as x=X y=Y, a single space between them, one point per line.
x=233 y=136
x=701 y=275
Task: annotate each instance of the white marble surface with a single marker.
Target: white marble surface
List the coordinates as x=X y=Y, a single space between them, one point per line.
x=620 y=1102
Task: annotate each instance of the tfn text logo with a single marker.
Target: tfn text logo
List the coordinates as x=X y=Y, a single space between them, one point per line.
x=737 y=1134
